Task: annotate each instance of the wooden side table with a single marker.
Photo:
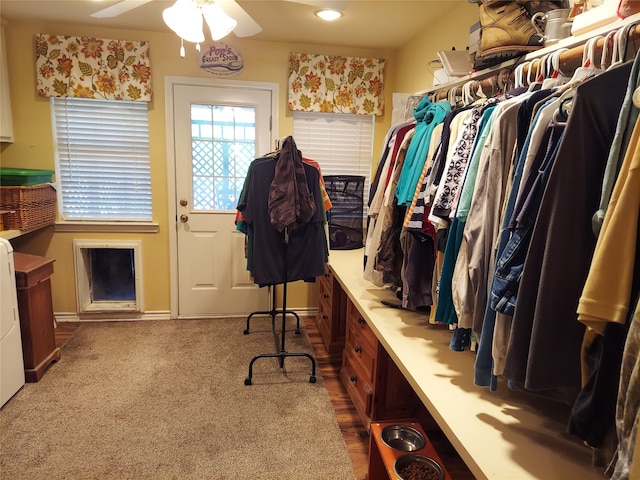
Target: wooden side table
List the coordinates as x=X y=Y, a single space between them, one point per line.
x=35 y=305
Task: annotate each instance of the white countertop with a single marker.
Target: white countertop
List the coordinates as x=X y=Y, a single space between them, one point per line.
x=502 y=435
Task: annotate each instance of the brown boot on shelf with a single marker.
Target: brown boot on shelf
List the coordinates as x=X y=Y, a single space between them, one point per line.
x=505 y=33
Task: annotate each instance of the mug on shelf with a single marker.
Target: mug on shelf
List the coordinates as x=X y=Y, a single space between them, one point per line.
x=556 y=25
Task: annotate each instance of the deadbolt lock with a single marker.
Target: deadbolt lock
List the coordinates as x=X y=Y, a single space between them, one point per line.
x=183 y=203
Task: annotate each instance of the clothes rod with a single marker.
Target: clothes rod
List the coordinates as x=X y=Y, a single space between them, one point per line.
x=569 y=61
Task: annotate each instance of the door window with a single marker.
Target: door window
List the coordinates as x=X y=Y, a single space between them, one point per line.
x=223 y=144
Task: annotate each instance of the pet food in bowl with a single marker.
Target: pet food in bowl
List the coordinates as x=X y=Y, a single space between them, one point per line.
x=403 y=438
x=417 y=467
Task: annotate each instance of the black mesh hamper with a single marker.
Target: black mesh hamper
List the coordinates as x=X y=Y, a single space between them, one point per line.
x=345 y=218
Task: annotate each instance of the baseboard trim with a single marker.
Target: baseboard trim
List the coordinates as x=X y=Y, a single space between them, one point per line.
x=112 y=316
x=159 y=315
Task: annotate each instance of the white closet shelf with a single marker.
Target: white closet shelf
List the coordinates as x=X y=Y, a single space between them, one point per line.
x=502 y=435
x=568 y=43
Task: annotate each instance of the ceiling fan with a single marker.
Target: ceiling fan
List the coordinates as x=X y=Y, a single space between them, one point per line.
x=246 y=26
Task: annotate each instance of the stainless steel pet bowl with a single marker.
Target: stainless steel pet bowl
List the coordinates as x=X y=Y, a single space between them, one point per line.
x=413 y=466
x=403 y=438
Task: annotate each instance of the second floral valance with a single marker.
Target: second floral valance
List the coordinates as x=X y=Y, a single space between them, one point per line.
x=336 y=84
x=92 y=68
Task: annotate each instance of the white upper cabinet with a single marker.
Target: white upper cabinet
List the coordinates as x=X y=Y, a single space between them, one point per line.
x=6 y=121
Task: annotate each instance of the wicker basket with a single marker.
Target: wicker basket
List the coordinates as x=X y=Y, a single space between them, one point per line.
x=28 y=207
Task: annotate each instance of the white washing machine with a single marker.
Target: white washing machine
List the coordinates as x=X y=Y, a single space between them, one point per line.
x=11 y=363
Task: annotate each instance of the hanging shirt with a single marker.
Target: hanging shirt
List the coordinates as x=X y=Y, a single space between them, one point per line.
x=303 y=250
x=452 y=180
x=427 y=116
x=545 y=332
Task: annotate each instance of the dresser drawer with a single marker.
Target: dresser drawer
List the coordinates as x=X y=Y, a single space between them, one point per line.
x=325 y=289
x=362 y=349
x=323 y=318
x=359 y=388
x=359 y=325
x=325 y=283
x=332 y=311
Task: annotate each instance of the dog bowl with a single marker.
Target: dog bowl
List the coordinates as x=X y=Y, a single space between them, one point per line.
x=417 y=467
x=403 y=438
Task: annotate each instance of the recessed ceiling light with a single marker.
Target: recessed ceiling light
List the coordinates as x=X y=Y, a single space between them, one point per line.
x=328 y=14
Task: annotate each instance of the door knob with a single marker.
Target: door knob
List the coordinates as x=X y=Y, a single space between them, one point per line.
x=183 y=202
x=184 y=218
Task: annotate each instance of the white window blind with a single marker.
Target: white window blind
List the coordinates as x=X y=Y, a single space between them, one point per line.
x=341 y=143
x=102 y=159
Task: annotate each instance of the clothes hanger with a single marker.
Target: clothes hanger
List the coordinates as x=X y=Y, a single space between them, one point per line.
x=505 y=81
x=588 y=67
x=535 y=84
x=623 y=45
x=586 y=70
x=480 y=92
x=467 y=96
x=623 y=42
x=519 y=74
x=556 y=78
x=565 y=102
x=615 y=50
x=280 y=142
x=633 y=38
x=452 y=96
x=605 y=50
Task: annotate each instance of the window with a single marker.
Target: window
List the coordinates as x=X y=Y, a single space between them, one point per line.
x=223 y=144
x=102 y=159
x=341 y=143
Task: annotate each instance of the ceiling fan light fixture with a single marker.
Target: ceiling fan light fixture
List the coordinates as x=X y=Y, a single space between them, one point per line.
x=328 y=14
x=185 y=19
x=218 y=21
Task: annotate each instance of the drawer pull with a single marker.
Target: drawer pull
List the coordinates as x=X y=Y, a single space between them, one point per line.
x=353 y=379
x=361 y=321
x=325 y=295
x=324 y=317
x=358 y=349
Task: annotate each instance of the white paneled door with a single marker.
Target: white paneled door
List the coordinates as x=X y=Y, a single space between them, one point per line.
x=218 y=130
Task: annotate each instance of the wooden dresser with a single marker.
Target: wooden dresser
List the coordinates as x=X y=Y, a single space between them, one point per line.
x=376 y=387
x=331 y=312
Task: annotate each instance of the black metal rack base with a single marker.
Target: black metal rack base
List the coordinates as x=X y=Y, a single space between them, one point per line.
x=273 y=313
x=279 y=339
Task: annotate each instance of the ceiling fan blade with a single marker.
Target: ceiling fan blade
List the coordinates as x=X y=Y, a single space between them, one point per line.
x=247 y=26
x=119 y=8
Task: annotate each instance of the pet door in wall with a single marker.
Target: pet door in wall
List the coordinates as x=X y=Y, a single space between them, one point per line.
x=108 y=276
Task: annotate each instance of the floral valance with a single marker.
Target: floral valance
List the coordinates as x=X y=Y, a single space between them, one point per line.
x=331 y=83
x=92 y=68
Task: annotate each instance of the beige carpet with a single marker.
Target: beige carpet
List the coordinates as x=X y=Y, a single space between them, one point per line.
x=167 y=400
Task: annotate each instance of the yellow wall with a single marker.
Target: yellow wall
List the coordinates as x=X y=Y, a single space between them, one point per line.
x=406 y=71
x=413 y=72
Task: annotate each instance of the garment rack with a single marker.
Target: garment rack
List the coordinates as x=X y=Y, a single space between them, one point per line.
x=279 y=339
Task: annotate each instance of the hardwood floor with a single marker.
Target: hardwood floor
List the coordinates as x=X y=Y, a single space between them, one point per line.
x=356 y=437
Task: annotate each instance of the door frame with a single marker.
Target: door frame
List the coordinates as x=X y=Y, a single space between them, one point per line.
x=169 y=83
